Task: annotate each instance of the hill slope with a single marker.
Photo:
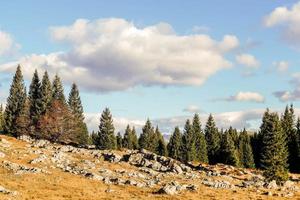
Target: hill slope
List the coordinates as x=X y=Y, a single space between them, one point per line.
x=37 y=169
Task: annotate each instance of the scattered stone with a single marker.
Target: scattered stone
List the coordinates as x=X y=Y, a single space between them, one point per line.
x=111 y=157
x=39 y=159
x=40 y=143
x=6 y=191
x=218 y=184
x=271 y=185
x=21 y=169
x=2 y=155
x=4 y=143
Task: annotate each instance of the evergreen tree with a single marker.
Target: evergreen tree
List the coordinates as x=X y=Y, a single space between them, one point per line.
x=46 y=92
x=188 y=143
x=228 y=152
x=134 y=139
x=298 y=143
x=106 y=137
x=146 y=139
x=161 y=148
x=127 y=143
x=234 y=135
x=256 y=144
x=212 y=140
x=58 y=90
x=245 y=150
x=1 y=118
x=289 y=129
x=199 y=139
x=76 y=108
x=174 y=145
x=15 y=102
x=274 y=152
x=23 y=121
x=119 y=141
x=35 y=99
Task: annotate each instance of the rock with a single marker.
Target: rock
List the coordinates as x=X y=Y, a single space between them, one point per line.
x=94 y=176
x=21 y=169
x=176 y=168
x=170 y=189
x=191 y=187
x=39 y=159
x=6 y=191
x=290 y=185
x=4 y=143
x=218 y=184
x=40 y=143
x=26 y=138
x=271 y=185
x=109 y=190
x=2 y=155
x=111 y=157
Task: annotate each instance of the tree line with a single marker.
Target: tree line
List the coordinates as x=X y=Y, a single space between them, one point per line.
x=45 y=113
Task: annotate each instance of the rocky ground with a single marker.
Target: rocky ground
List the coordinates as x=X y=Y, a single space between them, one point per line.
x=37 y=169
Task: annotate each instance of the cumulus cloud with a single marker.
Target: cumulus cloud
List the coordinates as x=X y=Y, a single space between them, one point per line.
x=294 y=95
x=7 y=45
x=114 y=54
x=247 y=60
x=288 y=19
x=281 y=66
x=192 y=109
x=247 y=96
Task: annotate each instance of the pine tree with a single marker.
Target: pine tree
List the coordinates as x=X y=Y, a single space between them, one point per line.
x=146 y=138
x=188 y=143
x=274 y=152
x=245 y=150
x=256 y=144
x=46 y=92
x=106 y=137
x=298 y=143
x=174 y=145
x=200 y=142
x=161 y=148
x=234 y=135
x=289 y=129
x=212 y=140
x=228 y=152
x=1 y=118
x=119 y=141
x=58 y=90
x=127 y=143
x=35 y=99
x=134 y=139
x=23 y=121
x=76 y=108
x=15 y=102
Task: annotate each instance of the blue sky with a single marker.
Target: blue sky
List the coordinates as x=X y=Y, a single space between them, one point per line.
x=232 y=59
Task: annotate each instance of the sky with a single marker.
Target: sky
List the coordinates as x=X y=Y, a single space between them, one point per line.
x=162 y=60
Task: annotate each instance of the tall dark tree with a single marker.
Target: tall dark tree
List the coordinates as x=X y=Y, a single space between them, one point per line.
x=298 y=142
x=188 y=143
x=234 y=135
x=274 y=152
x=58 y=90
x=146 y=139
x=15 y=102
x=130 y=140
x=256 y=144
x=35 y=99
x=23 y=121
x=228 y=152
x=76 y=108
x=119 y=141
x=135 y=142
x=212 y=140
x=46 y=91
x=174 y=145
x=1 y=118
x=161 y=147
x=199 y=139
x=245 y=150
x=106 y=135
x=289 y=128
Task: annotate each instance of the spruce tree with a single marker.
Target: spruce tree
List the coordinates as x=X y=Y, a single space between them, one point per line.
x=46 y=91
x=298 y=143
x=212 y=140
x=58 y=90
x=119 y=141
x=274 y=152
x=245 y=150
x=15 y=102
x=256 y=144
x=200 y=142
x=1 y=118
x=134 y=139
x=23 y=121
x=146 y=139
x=289 y=129
x=174 y=145
x=127 y=143
x=188 y=143
x=76 y=108
x=228 y=152
x=35 y=99
x=161 y=148
x=106 y=137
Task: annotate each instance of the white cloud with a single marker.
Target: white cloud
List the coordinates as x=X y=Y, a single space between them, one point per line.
x=247 y=96
x=114 y=54
x=288 y=19
x=281 y=66
x=192 y=109
x=294 y=95
x=7 y=44
x=247 y=60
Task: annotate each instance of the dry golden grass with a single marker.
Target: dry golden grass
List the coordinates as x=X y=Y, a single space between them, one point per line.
x=62 y=186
